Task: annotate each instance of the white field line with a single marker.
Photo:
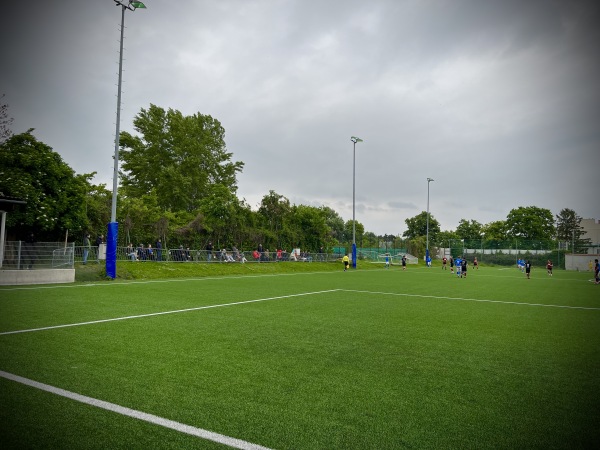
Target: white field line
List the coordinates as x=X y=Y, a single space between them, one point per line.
x=156 y=420
x=171 y=280
x=505 y=302
x=161 y=313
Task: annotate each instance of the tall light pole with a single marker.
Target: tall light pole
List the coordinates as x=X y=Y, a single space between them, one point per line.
x=354 y=139
x=113 y=226
x=429 y=180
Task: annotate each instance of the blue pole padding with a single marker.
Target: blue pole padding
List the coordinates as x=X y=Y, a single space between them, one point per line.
x=111 y=249
x=354 y=256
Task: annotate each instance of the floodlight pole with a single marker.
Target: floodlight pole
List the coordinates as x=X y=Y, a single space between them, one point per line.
x=113 y=226
x=354 y=139
x=429 y=180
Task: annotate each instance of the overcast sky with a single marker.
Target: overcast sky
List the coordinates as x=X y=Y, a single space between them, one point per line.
x=497 y=101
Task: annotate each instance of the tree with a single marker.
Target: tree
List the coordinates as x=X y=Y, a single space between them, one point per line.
x=530 y=223
x=369 y=240
x=335 y=223
x=140 y=218
x=443 y=238
x=569 y=229
x=417 y=226
x=55 y=195
x=469 y=229
x=360 y=231
x=5 y=122
x=178 y=157
x=495 y=231
x=97 y=206
x=274 y=209
x=220 y=209
x=308 y=227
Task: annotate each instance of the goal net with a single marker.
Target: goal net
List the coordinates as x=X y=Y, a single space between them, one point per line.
x=396 y=260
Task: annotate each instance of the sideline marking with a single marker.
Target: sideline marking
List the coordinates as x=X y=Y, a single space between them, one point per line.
x=164 y=312
x=151 y=418
x=506 y=302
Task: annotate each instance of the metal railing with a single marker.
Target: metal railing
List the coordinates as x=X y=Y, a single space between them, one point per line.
x=19 y=255
x=144 y=254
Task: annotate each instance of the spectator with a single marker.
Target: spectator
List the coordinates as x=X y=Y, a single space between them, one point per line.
x=209 y=250
x=150 y=252
x=131 y=252
x=159 y=250
x=141 y=253
x=236 y=253
x=86 y=247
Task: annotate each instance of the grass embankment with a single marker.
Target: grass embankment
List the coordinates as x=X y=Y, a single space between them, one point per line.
x=148 y=270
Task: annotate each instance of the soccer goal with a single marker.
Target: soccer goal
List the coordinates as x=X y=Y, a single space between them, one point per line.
x=396 y=260
x=382 y=258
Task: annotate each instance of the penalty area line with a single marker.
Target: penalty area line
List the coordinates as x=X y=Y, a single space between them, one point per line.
x=162 y=313
x=140 y=415
x=505 y=302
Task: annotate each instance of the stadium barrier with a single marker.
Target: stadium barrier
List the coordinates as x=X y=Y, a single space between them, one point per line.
x=144 y=254
x=21 y=255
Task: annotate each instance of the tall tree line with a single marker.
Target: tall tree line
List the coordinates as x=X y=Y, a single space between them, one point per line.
x=179 y=184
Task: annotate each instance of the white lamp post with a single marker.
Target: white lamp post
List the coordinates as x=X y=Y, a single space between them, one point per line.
x=429 y=180
x=354 y=139
x=113 y=226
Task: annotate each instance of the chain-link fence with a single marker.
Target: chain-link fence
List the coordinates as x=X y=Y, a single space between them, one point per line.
x=507 y=252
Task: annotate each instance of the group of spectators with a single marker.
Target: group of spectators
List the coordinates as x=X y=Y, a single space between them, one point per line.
x=88 y=249
x=147 y=253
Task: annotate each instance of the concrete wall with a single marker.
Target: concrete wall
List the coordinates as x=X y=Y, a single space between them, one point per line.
x=39 y=276
x=580 y=263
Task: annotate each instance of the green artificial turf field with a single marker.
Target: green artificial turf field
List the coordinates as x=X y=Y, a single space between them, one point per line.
x=367 y=359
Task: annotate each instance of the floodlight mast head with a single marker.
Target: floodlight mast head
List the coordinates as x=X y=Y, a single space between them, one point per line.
x=131 y=5
x=355 y=139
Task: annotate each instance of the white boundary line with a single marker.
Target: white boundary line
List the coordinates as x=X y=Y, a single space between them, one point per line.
x=139 y=316
x=506 y=302
x=151 y=418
